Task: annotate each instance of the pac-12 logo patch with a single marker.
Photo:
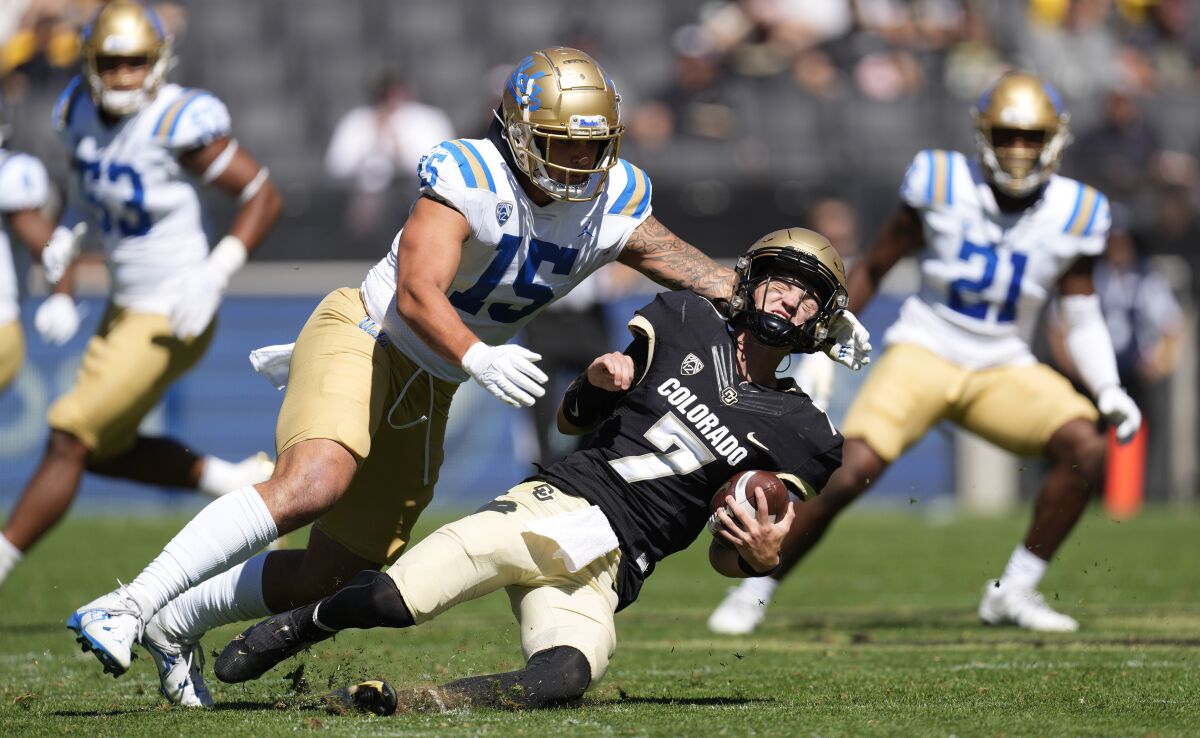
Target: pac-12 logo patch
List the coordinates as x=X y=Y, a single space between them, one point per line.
x=691 y=365
x=503 y=211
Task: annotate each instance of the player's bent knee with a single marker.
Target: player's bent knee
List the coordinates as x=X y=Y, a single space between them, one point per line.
x=65 y=446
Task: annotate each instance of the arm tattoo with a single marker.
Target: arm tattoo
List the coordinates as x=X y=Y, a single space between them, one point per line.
x=658 y=253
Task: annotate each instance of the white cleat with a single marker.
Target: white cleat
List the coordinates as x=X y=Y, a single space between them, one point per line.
x=738 y=614
x=108 y=627
x=180 y=667
x=1025 y=608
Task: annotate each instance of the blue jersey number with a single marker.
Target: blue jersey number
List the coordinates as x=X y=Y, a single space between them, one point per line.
x=471 y=300
x=131 y=218
x=965 y=294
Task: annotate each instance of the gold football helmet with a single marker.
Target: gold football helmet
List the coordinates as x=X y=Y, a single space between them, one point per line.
x=792 y=253
x=1019 y=104
x=125 y=29
x=555 y=95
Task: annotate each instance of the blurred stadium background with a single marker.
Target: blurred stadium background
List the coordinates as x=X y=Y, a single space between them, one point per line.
x=748 y=116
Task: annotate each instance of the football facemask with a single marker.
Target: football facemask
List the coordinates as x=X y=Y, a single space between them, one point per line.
x=1020 y=106
x=125 y=30
x=797 y=256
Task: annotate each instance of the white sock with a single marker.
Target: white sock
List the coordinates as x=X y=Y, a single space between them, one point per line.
x=1025 y=569
x=220 y=477
x=230 y=597
x=228 y=531
x=761 y=588
x=10 y=556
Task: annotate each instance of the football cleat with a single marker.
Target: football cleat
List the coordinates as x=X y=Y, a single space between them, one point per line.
x=108 y=627
x=374 y=696
x=250 y=470
x=1025 y=608
x=264 y=645
x=738 y=614
x=180 y=667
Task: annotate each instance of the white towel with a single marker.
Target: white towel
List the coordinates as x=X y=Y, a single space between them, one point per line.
x=582 y=535
x=274 y=363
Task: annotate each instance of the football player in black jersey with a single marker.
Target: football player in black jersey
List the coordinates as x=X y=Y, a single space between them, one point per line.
x=693 y=400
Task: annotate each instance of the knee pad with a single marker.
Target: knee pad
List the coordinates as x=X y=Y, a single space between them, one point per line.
x=564 y=669
x=376 y=600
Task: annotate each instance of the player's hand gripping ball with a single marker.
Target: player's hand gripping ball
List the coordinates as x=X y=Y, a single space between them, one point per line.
x=741 y=487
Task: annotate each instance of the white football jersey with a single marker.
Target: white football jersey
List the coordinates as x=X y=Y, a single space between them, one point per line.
x=130 y=182
x=520 y=257
x=24 y=185
x=985 y=274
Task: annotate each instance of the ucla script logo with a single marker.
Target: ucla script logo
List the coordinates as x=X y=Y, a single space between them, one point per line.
x=523 y=87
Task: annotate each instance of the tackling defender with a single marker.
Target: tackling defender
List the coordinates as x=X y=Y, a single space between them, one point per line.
x=693 y=400
x=503 y=226
x=134 y=140
x=996 y=237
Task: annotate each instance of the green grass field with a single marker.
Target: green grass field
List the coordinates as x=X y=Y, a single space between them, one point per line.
x=875 y=636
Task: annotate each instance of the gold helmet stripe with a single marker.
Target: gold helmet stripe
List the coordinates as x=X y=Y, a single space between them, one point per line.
x=635 y=198
x=1083 y=216
x=66 y=103
x=470 y=162
x=941 y=180
x=170 y=117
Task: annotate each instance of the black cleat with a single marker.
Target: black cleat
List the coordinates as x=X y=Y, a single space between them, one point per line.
x=374 y=696
x=260 y=647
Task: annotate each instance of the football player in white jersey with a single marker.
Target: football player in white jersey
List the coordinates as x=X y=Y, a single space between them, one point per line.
x=503 y=226
x=996 y=236
x=24 y=195
x=134 y=141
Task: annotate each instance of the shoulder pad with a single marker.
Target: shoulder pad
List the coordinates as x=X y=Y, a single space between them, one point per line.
x=629 y=191
x=929 y=180
x=24 y=184
x=457 y=162
x=195 y=119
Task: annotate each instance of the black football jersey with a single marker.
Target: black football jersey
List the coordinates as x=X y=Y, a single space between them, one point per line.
x=688 y=424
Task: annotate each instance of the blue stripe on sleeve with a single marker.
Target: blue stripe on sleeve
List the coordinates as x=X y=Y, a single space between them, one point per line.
x=1101 y=201
x=1075 y=210
x=482 y=164
x=630 y=185
x=951 y=157
x=464 y=166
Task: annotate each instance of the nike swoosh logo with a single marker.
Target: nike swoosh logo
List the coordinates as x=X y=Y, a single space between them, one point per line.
x=574 y=407
x=750 y=437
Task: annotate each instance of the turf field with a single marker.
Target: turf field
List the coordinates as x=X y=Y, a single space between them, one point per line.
x=876 y=636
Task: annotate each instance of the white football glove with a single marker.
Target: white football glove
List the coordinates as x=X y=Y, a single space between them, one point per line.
x=61 y=250
x=506 y=371
x=814 y=374
x=848 y=342
x=198 y=294
x=57 y=319
x=1120 y=411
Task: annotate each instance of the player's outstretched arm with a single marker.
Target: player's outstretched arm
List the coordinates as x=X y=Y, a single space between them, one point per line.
x=900 y=236
x=595 y=393
x=655 y=251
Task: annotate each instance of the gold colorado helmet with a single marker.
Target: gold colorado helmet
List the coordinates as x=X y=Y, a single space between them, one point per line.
x=556 y=95
x=125 y=29
x=1020 y=103
x=795 y=254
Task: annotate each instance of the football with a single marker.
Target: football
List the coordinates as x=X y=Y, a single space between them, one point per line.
x=741 y=487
